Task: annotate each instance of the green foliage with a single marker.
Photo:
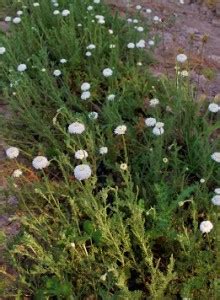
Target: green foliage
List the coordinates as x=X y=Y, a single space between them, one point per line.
x=121 y=234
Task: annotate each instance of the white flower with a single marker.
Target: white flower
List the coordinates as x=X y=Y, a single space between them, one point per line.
x=93 y=115
x=96 y=1
x=79 y=25
x=158 y=131
x=154 y=102
x=103 y=277
x=12 y=152
x=2 y=50
x=138 y=7
x=205 y=226
x=76 y=128
x=57 y=73
x=110 y=31
x=63 y=60
x=88 y=53
x=141 y=44
x=101 y=21
x=217 y=191
x=36 y=4
x=135 y=21
x=16 y=20
x=202 y=180
x=112 y=46
x=150 y=122
x=8 y=19
x=73 y=245
x=181 y=58
x=21 y=68
x=56 y=12
x=85 y=86
x=151 y=43
x=111 y=97
x=139 y=63
x=81 y=154
x=19 y=12
x=213 y=107
x=140 y=29
x=165 y=160
x=17 y=173
x=159 y=124
x=123 y=166
x=148 y=11
x=156 y=19
x=184 y=73
x=82 y=172
x=131 y=45
x=129 y=20
x=216 y=200
x=85 y=95
x=65 y=13
x=91 y=47
x=121 y=129
x=40 y=162
x=216 y=156
x=107 y=72
x=90 y=7
x=103 y=150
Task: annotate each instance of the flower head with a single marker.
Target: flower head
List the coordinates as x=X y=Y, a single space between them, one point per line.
x=213 y=107
x=154 y=102
x=76 y=128
x=57 y=73
x=17 y=173
x=181 y=58
x=81 y=154
x=158 y=131
x=123 y=167
x=82 y=172
x=12 y=152
x=63 y=61
x=150 y=122
x=40 y=162
x=21 y=68
x=65 y=13
x=216 y=156
x=85 y=86
x=205 y=226
x=2 y=50
x=16 y=20
x=107 y=72
x=93 y=115
x=121 y=129
x=111 y=97
x=85 y=95
x=216 y=200
x=103 y=150
x=217 y=191
x=131 y=45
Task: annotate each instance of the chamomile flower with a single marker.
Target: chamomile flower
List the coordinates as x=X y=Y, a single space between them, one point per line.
x=96 y=1
x=88 y=53
x=141 y=44
x=205 y=226
x=111 y=97
x=150 y=122
x=65 y=13
x=154 y=102
x=213 y=107
x=8 y=19
x=123 y=167
x=140 y=29
x=36 y=4
x=151 y=43
x=16 y=20
x=158 y=131
x=138 y=7
x=57 y=73
x=81 y=154
x=156 y=19
x=217 y=191
x=165 y=160
x=63 y=61
x=202 y=180
x=103 y=150
x=40 y=162
x=76 y=128
x=85 y=95
x=2 y=50
x=181 y=58
x=131 y=45
x=216 y=200
x=216 y=156
x=110 y=31
x=56 y=12
x=21 y=68
x=90 y=7
x=82 y=172
x=17 y=173
x=12 y=152
x=91 y=47
x=120 y=130
x=85 y=86
x=19 y=13
x=93 y=115
x=107 y=72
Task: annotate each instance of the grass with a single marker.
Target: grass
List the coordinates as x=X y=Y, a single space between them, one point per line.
x=121 y=234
